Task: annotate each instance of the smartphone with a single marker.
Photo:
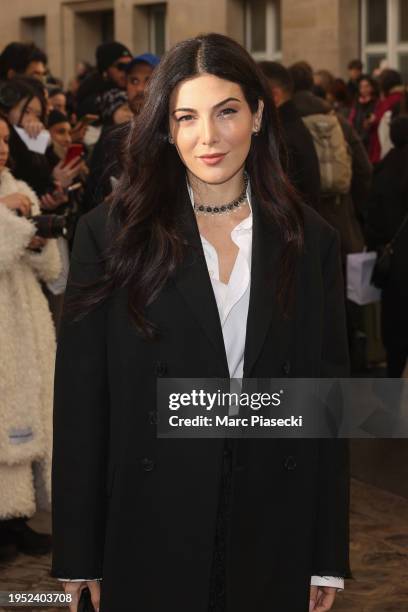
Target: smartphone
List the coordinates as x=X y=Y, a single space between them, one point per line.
x=74 y=150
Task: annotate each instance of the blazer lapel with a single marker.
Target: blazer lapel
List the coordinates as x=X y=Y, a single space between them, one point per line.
x=263 y=310
x=194 y=283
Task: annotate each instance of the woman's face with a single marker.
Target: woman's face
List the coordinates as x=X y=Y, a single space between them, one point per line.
x=61 y=134
x=32 y=110
x=4 y=144
x=365 y=88
x=211 y=125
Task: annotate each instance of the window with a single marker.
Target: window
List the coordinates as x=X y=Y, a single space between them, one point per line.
x=403 y=21
x=377 y=21
x=403 y=66
x=91 y=28
x=33 y=30
x=385 y=33
x=373 y=61
x=150 y=28
x=263 y=29
x=157 y=22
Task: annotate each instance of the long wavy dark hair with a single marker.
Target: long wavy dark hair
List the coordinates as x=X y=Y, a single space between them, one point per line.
x=148 y=246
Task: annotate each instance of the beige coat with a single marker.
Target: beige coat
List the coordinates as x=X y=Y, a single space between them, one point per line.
x=27 y=352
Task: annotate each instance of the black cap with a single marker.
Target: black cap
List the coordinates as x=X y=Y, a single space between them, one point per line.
x=109 y=53
x=55 y=117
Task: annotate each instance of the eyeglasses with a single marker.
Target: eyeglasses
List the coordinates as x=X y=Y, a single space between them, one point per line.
x=120 y=65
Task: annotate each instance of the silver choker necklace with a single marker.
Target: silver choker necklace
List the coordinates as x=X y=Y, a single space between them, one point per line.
x=224 y=209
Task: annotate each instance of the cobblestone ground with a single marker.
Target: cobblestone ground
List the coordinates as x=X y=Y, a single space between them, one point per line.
x=30 y=573
x=379 y=553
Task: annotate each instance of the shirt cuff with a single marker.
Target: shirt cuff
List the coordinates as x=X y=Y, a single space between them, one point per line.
x=329 y=581
x=78 y=579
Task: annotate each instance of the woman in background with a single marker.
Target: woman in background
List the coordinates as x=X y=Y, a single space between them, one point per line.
x=27 y=341
x=23 y=102
x=363 y=108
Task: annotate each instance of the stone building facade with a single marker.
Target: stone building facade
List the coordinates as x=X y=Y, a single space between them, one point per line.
x=327 y=33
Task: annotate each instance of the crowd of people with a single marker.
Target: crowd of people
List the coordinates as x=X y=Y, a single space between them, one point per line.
x=56 y=163
x=344 y=146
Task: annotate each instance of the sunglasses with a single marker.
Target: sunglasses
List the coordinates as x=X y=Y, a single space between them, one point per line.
x=120 y=65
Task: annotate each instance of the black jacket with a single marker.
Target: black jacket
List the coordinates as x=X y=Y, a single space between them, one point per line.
x=388 y=206
x=141 y=511
x=33 y=168
x=90 y=88
x=105 y=163
x=302 y=163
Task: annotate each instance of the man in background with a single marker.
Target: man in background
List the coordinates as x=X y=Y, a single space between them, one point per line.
x=355 y=71
x=111 y=61
x=22 y=59
x=299 y=159
x=105 y=163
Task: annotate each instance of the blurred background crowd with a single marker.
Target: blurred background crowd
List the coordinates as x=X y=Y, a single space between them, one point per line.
x=345 y=148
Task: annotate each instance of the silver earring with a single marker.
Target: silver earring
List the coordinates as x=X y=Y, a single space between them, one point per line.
x=170 y=139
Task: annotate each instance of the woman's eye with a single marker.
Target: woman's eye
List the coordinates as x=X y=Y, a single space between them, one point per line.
x=184 y=118
x=228 y=111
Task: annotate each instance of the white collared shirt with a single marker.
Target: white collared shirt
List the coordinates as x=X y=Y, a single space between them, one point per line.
x=233 y=298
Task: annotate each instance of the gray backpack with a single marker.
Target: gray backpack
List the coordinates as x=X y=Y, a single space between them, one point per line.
x=332 y=151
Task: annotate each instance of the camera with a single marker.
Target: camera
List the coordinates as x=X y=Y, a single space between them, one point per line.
x=51 y=226
x=62 y=223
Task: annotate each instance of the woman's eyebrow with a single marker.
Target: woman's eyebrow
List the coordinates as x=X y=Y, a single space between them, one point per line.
x=192 y=110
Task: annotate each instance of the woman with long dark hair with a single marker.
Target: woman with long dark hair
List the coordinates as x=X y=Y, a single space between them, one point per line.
x=363 y=108
x=23 y=102
x=203 y=265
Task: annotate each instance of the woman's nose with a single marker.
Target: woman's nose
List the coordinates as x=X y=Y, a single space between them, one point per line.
x=208 y=132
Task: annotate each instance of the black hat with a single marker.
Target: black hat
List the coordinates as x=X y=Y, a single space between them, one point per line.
x=108 y=53
x=55 y=117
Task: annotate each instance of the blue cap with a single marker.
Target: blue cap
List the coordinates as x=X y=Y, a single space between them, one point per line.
x=146 y=58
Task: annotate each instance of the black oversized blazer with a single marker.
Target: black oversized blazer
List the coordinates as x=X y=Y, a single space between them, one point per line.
x=140 y=511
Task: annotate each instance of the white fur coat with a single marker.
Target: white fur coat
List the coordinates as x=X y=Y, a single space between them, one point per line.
x=27 y=353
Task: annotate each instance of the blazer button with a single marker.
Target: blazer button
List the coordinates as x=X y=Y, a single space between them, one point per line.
x=161 y=368
x=153 y=419
x=147 y=464
x=286 y=368
x=290 y=463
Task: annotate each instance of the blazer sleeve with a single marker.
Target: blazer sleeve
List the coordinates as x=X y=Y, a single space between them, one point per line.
x=331 y=555
x=81 y=413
